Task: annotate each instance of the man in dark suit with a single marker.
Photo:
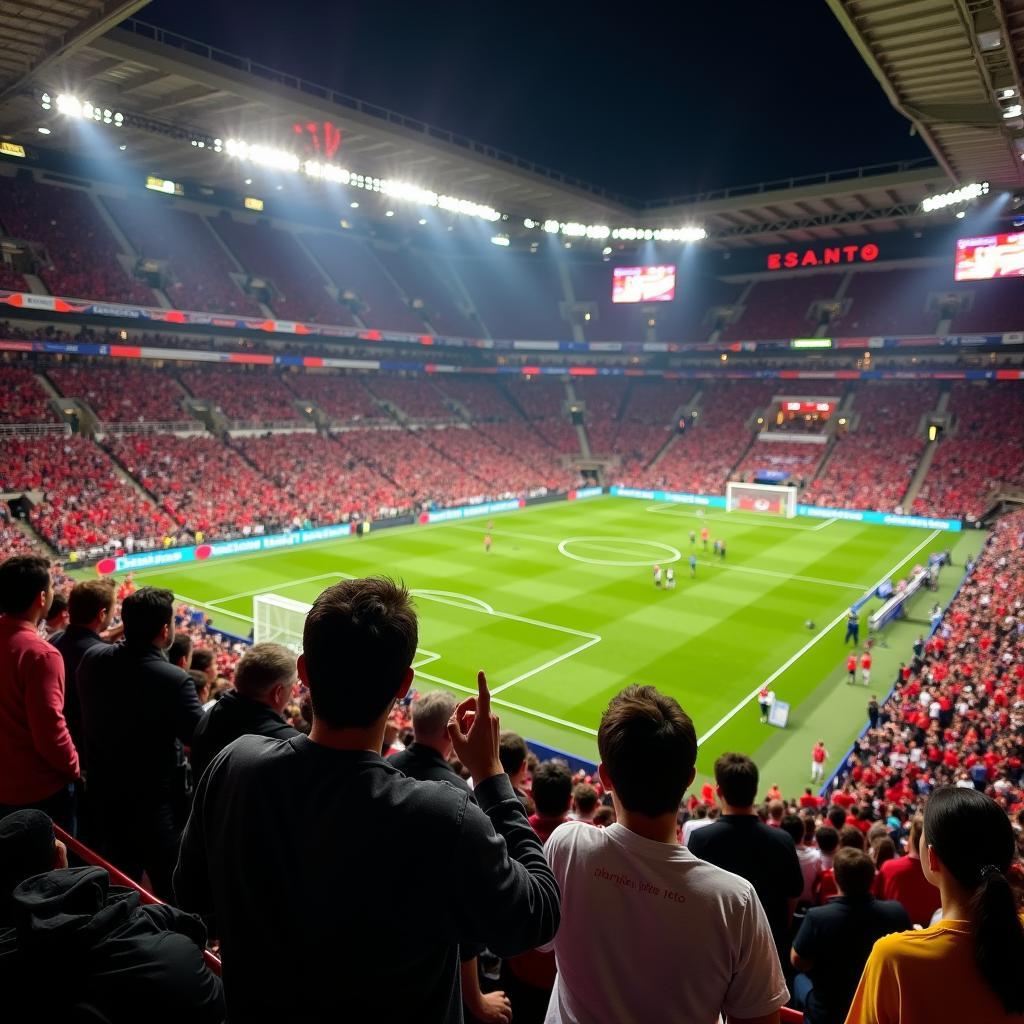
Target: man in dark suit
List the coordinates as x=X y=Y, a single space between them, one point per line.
x=264 y=680
x=136 y=706
x=739 y=842
x=90 y=607
x=426 y=758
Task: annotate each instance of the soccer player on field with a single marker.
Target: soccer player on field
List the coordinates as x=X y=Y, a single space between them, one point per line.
x=657 y=575
x=487 y=542
x=715 y=545
x=670 y=578
x=851 y=667
x=819 y=755
x=865 y=668
x=764 y=703
x=721 y=550
x=693 y=538
x=704 y=534
x=693 y=566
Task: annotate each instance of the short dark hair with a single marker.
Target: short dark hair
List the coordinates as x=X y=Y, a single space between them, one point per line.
x=837 y=816
x=199 y=681
x=854 y=871
x=358 y=642
x=552 y=787
x=827 y=838
x=88 y=599
x=22 y=579
x=737 y=777
x=146 y=612
x=511 y=751
x=851 y=837
x=262 y=667
x=648 y=746
x=202 y=658
x=27 y=847
x=584 y=796
x=58 y=605
x=792 y=825
x=181 y=647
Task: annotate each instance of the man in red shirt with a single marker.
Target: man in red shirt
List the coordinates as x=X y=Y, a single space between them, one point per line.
x=38 y=760
x=865 y=668
x=851 y=668
x=902 y=879
x=819 y=755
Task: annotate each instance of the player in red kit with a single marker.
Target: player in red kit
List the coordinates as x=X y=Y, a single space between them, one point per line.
x=851 y=667
x=819 y=755
x=704 y=537
x=865 y=668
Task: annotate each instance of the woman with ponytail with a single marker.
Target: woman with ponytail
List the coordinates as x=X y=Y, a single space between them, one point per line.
x=967 y=966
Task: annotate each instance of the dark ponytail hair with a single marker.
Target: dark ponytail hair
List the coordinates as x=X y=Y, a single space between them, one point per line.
x=973 y=838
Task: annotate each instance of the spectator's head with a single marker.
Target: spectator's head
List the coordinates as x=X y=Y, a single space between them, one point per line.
x=793 y=827
x=584 y=801
x=205 y=660
x=180 y=651
x=512 y=754
x=148 y=617
x=882 y=849
x=27 y=847
x=851 y=838
x=201 y=683
x=604 y=816
x=836 y=817
x=552 y=788
x=91 y=604
x=967 y=850
x=56 y=617
x=267 y=674
x=737 y=777
x=776 y=810
x=26 y=588
x=358 y=644
x=854 y=873
x=827 y=839
x=430 y=716
x=648 y=749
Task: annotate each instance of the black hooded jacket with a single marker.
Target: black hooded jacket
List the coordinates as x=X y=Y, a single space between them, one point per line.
x=85 y=950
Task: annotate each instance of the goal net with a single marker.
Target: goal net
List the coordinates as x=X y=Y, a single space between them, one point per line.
x=768 y=499
x=278 y=620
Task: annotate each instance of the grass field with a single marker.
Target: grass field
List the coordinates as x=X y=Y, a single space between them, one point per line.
x=563 y=612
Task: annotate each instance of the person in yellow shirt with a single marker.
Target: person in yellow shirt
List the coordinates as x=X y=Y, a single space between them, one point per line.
x=966 y=966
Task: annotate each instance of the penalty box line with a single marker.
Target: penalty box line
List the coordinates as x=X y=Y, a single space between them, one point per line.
x=806 y=647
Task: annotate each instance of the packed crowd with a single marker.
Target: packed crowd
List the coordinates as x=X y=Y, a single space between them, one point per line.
x=22 y=397
x=247 y=396
x=799 y=462
x=121 y=394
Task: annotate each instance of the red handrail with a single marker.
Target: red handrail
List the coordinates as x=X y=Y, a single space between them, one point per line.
x=788 y=1016
x=83 y=852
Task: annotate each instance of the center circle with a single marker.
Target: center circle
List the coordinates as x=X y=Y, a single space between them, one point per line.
x=662 y=552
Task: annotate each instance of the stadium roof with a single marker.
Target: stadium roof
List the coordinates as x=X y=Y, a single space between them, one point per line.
x=169 y=84
x=953 y=68
x=34 y=35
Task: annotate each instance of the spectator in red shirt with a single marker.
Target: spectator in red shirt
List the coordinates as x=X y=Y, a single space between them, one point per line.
x=903 y=879
x=38 y=760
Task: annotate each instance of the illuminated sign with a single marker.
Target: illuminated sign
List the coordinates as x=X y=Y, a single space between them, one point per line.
x=644 y=284
x=170 y=188
x=828 y=256
x=12 y=149
x=981 y=259
x=808 y=407
x=320 y=138
x=811 y=343
x=252 y=203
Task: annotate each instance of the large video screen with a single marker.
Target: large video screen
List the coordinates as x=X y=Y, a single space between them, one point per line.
x=644 y=284
x=981 y=259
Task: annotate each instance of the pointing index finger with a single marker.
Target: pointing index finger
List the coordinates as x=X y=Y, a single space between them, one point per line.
x=483 y=705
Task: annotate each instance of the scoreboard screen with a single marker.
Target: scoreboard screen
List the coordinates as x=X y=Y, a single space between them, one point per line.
x=644 y=284
x=988 y=257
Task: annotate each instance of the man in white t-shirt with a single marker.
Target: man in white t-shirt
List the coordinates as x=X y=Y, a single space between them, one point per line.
x=648 y=931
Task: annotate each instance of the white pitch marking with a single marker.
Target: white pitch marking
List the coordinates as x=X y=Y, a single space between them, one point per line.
x=212 y=607
x=807 y=646
x=466 y=600
x=601 y=542
x=546 y=665
x=279 y=586
x=424 y=657
x=783 y=575
x=821 y=526
x=690 y=512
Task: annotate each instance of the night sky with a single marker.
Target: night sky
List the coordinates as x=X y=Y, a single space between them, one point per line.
x=656 y=100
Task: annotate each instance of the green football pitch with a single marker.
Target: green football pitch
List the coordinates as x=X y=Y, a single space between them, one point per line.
x=563 y=612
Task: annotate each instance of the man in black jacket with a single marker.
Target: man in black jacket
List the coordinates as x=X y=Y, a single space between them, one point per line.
x=296 y=845
x=426 y=758
x=136 y=707
x=90 y=607
x=264 y=680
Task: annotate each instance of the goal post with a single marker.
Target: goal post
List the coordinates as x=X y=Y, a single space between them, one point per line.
x=278 y=620
x=766 y=499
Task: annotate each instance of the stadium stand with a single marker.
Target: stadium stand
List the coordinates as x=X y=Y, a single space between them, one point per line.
x=12 y=280
x=997 y=306
x=481 y=398
x=798 y=460
x=345 y=400
x=82 y=252
x=984 y=454
x=353 y=266
x=542 y=400
x=256 y=397
x=872 y=466
x=276 y=255
x=86 y=507
x=615 y=321
x=889 y=302
x=22 y=397
x=415 y=398
x=122 y=394
x=200 y=268
x=779 y=308
x=689 y=317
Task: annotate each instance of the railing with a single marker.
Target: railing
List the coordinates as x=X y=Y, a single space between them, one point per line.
x=33 y=429
x=151 y=427
x=88 y=856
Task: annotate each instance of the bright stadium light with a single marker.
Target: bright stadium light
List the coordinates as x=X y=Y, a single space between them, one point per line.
x=551 y=227
x=966 y=194
x=500 y=240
